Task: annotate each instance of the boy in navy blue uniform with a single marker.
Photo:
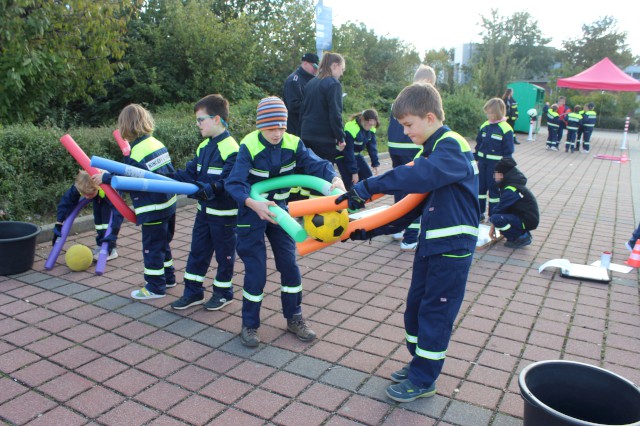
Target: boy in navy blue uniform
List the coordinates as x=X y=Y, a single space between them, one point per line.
x=264 y=154
x=494 y=141
x=574 y=123
x=402 y=151
x=103 y=211
x=553 y=124
x=589 y=119
x=155 y=212
x=215 y=223
x=448 y=233
x=517 y=213
x=360 y=134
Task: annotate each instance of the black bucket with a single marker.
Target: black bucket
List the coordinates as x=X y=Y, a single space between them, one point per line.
x=560 y=393
x=17 y=246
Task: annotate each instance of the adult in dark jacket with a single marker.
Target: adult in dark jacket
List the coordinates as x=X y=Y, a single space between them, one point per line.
x=294 y=90
x=517 y=212
x=322 y=125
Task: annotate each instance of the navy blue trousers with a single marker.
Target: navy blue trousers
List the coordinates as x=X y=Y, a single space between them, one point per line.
x=252 y=249
x=509 y=225
x=156 y=253
x=209 y=238
x=411 y=232
x=487 y=184
x=436 y=293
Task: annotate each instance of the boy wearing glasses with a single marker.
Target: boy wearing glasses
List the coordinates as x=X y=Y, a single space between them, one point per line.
x=214 y=229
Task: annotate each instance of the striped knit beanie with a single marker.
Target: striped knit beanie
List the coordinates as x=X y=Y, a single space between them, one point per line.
x=271 y=114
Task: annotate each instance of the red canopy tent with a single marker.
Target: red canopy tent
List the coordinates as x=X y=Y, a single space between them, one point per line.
x=604 y=75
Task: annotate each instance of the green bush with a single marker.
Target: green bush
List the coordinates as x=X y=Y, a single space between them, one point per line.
x=463 y=112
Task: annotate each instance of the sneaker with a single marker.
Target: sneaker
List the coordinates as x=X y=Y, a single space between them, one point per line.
x=112 y=255
x=398 y=236
x=186 y=302
x=217 y=302
x=406 y=391
x=144 y=294
x=515 y=142
x=171 y=285
x=249 y=337
x=548 y=148
x=630 y=244
x=299 y=327
x=400 y=375
x=521 y=241
x=482 y=218
x=553 y=148
x=408 y=246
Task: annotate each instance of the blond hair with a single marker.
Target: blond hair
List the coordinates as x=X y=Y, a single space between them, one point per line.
x=418 y=99
x=495 y=106
x=135 y=121
x=84 y=184
x=424 y=74
x=328 y=59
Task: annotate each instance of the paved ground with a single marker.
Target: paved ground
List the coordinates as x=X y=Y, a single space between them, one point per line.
x=74 y=349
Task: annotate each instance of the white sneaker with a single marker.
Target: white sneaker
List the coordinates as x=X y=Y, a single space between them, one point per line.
x=408 y=247
x=112 y=255
x=398 y=236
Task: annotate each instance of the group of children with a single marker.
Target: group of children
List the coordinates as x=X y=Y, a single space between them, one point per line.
x=579 y=123
x=228 y=220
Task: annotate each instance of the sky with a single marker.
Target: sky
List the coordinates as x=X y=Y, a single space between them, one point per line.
x=449 y=24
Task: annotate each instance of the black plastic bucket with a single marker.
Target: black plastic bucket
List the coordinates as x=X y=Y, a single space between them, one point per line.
x=560 y=393
x=17 y=246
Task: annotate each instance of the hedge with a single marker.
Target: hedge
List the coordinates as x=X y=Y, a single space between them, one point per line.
x=35 y=169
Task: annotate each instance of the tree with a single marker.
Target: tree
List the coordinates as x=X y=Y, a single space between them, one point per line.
x=441 y=61
x=599 y=40
x=512 y=48
x=57 y=51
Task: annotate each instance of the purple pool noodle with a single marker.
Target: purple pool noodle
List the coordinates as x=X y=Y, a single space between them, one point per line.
x=66 y=227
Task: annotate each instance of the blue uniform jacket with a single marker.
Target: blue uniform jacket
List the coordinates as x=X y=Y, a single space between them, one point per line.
x=450 y=213
x=589 y=120
x=100 y=203
x=357 y=139
x=293 y=98
x=494 y=141
x=213 y=162
x=150 y=154
x=259 y=160
x=322 y=111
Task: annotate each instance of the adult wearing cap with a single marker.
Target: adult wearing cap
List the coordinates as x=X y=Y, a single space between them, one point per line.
x=294 y=90
x=267 y=153
x=517 y=214
x=322 y=125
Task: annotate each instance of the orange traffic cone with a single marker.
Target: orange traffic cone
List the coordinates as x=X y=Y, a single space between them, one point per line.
x=634 y=257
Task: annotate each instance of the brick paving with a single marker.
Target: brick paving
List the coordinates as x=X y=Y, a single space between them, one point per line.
x=75 y=349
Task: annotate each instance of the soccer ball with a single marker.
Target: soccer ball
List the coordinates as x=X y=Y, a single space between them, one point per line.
x=328 y=226
x=79 y=257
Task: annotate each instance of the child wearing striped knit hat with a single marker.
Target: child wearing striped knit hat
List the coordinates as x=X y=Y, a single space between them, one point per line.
x=266 y=153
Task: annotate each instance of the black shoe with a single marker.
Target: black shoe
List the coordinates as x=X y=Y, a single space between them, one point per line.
x=249 y=337
x=521 y=241
x=187 y=302
x=516 y=142
x=217 y=302
x=482 y=217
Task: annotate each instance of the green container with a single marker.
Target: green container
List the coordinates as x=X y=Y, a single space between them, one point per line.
x=528 y=96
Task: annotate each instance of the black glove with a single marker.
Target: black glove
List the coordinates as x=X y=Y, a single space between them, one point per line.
x=57 y=232
x=354 y=201
x=360 y=235
x=111 y=238
x=204 y=192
